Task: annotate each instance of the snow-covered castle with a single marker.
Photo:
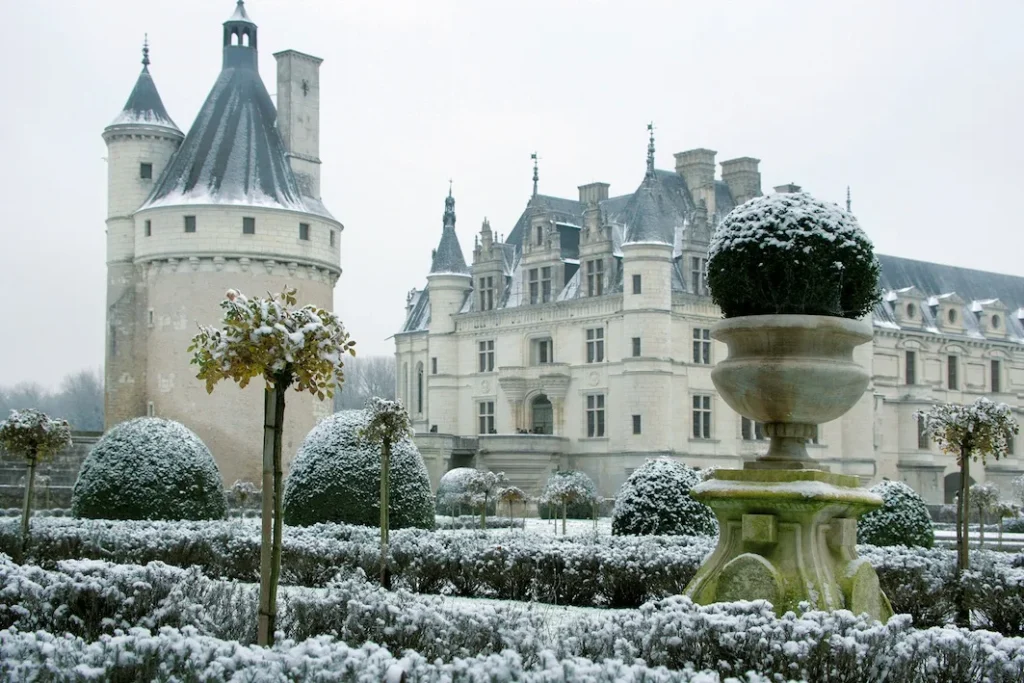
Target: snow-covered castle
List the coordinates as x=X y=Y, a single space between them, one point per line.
x=235 y=203
x=581 y=341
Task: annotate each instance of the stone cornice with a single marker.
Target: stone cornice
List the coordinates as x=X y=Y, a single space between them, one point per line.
x=314 y=271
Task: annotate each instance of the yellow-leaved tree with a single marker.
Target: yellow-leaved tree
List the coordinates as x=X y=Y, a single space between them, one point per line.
x=288 y=347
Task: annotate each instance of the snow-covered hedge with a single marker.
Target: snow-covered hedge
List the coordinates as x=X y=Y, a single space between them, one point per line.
x=791 y=253
x=903 y=518
x=336 y=478
x=473 y=522
x=575 y=487
x=655 y=499
x=149 y=468
x=110 y=611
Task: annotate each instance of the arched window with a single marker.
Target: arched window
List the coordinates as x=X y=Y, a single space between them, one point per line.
x=234 y=37
x=542 y=419
x=952 y=486
x=419 y=388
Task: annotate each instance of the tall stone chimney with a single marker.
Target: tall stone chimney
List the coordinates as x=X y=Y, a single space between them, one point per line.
x=298 y=116
x=743 y=178
x=697 y=167
x=788 y=188
x=593 y=193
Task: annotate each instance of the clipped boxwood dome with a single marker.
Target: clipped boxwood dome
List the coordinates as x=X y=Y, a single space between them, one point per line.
x=903 y=518
x=791 y=253
x=583 y=494
x=656 y=500
x=149 y=468
x=452 y=496
x=336 y=478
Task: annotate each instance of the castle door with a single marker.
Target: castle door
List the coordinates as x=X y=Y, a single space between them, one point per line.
x=952 y=486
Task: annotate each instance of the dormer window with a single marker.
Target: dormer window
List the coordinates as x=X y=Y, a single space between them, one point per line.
x=911 y=311
x=146 y=171
x=595 y=277
x=951 y=316
x=995 y=322
x=540 y=235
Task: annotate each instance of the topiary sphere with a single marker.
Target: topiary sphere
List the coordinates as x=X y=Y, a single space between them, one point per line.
x=580 y=484
x=336 y=478
x=903 y=518
x=656 y=500
x=149 y=468
x=791 y=253
x=452 y=494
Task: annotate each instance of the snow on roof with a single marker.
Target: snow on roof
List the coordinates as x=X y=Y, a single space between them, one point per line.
x=144 y=105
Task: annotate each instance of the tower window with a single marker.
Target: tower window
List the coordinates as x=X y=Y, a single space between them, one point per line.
x=150 y=409
x=149 y=228
x=433 y=365
x=146 y=171
x=636 y=284
x=303 y=231
x=332 y=238
x=636 y=424
x=190 y=223
x=636 y=347
x=150 y=317
x=248 y=226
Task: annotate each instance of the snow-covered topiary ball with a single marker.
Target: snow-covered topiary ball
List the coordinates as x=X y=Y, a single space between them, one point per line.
x=791 y=253
x=149 y=468
x=453 y=494
x=656 y=500
x=903 y=518
x=336 y=478
x=573 y=487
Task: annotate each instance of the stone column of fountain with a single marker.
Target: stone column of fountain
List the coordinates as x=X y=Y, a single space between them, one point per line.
x=787 y=526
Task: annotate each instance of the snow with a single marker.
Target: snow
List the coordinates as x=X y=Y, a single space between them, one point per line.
x=151 y=118
x=655 y=499
x=806 y=489
x=903 y=518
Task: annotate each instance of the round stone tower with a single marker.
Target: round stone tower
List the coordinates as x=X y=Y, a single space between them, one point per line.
x=230 y=211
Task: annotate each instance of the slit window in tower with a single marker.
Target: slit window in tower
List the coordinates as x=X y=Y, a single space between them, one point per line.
x=190 y=223
x=332 y=238
x=304 y=231
x=248 y=226
x=149 y=228
x=146 y=171
x=636 y=424
x=637 y=289
x=636 y=347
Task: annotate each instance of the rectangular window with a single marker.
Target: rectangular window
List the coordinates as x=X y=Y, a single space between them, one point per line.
x=951 y=379
x=487 y=293
x=146 y=171
x=702 y=416
x=543 y=351
x=534 y=285
x=636 y=424
x=595 y=277
x=595 y=345
x=697 y=275
x=539 y=233
x=303 y=231
x=248 y=226
x=151 y=317
x=636 y=284
x=701 y=346
x=997 y=386
x=150 y=409
x=485 y=353
x=149 y=228
x=752 y=431
x=636 y=347
x=332 y=237
x=595 y=415
x=190 y=223
x=922 y=432
x=486 y=415
x=433 y=366
x=545 y=284
x=910 y=372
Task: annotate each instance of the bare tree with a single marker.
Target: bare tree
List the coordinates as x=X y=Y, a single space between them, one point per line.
x=79 y=399
x=366 y=377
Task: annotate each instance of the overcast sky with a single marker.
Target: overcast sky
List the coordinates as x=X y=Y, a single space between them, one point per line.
x=916 y=105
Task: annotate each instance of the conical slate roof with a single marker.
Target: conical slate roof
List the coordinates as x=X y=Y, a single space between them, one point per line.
x=656 y=209
x=447 y=258
x=144 y=105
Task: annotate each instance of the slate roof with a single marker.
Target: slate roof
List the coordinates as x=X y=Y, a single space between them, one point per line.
x=657 y=209
x=234 y=154
x=144 y=105
x=447 y=258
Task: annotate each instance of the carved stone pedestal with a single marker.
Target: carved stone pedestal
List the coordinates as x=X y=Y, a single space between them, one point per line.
x=788 y=536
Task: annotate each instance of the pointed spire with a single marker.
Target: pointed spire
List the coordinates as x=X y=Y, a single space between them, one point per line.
x=240 y=13
x=650 y=150
x=144 y=105
x=849 y=204
x=145 y=52
x=536 y=176
x=447 y=259
x=449 y=208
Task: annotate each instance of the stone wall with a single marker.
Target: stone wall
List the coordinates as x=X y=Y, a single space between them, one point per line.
x=55 y=478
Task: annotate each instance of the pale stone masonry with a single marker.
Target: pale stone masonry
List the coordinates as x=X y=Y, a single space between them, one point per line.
x=235 y=203
x=589 y=324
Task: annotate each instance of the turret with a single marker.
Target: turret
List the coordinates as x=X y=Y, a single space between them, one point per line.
x=449 y=277
x=240 y=40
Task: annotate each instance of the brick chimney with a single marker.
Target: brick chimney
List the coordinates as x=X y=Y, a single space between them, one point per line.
x=697 y=167
x=743 y=178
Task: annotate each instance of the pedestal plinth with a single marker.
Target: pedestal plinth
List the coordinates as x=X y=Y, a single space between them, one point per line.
x=788 y=536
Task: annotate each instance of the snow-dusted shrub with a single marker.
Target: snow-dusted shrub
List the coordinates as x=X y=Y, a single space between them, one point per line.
x=791 y=253
x=572 y=487
x=655 y=499
x=149 y=468
x=453 y=494
x=473 y=522
x=336 y=478
x=903 y=518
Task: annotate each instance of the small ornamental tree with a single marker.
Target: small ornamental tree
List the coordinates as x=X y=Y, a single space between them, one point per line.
x=453 y=492
x=510 y=495
x=387 y=424
x=242 y=491
x=903 y=518
x=34 y=436
x=984 y=499
x=482 y=487
x=286 y=346
x=568 y=487
x=656 y=500
x=969 y=432
x=797 y=255
x=1004 y=510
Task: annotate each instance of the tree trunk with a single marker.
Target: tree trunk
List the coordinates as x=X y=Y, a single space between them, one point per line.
x=963 y=560
x=564 y=505
x=385 y=485
x=270 y=547
x=981 y=528
x=1000 y=531
x=483 y=514
x=26 y=512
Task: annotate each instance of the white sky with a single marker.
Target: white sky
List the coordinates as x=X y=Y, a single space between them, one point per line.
x=915 y=104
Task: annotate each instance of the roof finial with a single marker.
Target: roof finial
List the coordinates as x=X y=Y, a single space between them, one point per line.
x=449 y=208
x=848 y=202
x=536 y=177
x=650 y=149
x=145 y=51
x=449 y=187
